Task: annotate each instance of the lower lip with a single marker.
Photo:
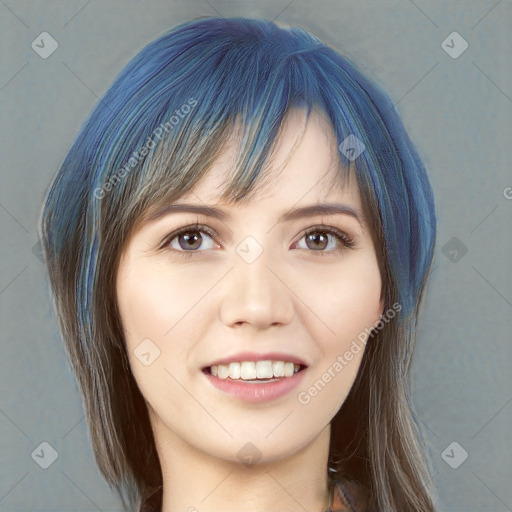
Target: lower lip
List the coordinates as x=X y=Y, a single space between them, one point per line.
x=253 y=392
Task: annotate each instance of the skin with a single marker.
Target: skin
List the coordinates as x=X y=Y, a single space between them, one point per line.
x=214 y=304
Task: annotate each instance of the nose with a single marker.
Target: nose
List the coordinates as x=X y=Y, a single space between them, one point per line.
x=256 y=293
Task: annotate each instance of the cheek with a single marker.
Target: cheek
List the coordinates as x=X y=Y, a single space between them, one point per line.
x=154 y=302
x=151 y=306
x=348 y=299
x=162 y=305
x=147 y=318
x=349 y=304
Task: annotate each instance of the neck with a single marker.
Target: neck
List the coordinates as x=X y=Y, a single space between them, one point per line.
x=195 y=481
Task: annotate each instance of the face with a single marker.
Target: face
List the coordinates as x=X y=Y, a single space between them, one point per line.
x=219 y=317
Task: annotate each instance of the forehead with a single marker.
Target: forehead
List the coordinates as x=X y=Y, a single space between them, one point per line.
x=304 y=163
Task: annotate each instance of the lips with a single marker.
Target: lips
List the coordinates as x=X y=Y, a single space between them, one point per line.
x=256 y=377
x=256 y=390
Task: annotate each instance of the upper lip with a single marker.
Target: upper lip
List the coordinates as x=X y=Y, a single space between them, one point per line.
x=253 y=356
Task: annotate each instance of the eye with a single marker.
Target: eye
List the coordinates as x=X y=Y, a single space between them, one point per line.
x=187 y=240
x=317 y=240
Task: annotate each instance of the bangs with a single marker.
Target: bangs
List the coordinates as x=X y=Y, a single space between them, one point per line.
x=167 y=176
x=201 y=99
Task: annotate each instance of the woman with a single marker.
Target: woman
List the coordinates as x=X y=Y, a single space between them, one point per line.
x=238 y=243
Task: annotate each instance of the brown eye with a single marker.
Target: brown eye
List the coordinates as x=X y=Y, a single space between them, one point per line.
x=189 y=240
x=322 y=240
x=316 y=240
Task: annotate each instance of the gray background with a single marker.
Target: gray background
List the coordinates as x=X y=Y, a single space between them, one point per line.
x=457 y=110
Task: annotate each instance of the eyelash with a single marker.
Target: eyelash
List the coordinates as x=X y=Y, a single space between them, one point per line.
x=345 y=240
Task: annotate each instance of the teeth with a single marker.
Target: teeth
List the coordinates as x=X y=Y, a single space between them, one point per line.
x=234 y=371
x=253 y=370
x=288 y=369
x=264 y=370
x=278 y=368
x=247 y=370
x=223 y=371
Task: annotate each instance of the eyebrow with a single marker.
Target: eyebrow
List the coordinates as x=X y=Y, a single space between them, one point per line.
x=289 y=215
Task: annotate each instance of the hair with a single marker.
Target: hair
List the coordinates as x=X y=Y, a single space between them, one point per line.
x=149 y=140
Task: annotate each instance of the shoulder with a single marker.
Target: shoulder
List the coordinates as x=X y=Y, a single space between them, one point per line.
x=348 y=496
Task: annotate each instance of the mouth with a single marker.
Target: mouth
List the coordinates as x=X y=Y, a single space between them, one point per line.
x=257 y=380
x=255 y=372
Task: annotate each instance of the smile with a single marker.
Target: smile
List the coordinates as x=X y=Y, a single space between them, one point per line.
x=255 y=371
x=255 y=381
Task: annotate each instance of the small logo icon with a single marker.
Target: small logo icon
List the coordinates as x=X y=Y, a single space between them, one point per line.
x=351 y=147
x=45 y=455
x=249 y=454
x=147 y=352
x=454 y=455
x=44 y=45
x=454 y=249
x=37 y=251
x=249 y=249
x=454 y=45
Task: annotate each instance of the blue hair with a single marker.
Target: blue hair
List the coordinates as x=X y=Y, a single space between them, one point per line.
x=257 y=71
x=169 y=106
